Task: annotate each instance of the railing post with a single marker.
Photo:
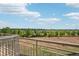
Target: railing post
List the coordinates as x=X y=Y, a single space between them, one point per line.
x=17 y=46
x=36 y=47
x=33 y=49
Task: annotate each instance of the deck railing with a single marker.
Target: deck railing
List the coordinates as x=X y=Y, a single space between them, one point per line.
x=9 y=45
x=36 y=47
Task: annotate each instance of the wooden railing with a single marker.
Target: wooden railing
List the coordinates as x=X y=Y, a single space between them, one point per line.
x=9 y=45
x=36 y=47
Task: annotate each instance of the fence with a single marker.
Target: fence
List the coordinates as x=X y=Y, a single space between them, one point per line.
x=36 y=47
x=9 y=45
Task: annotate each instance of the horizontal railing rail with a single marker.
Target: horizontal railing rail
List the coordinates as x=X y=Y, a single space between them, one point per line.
x=56 y=42
x=36 y=47
x=7 y=37
x=50 y=47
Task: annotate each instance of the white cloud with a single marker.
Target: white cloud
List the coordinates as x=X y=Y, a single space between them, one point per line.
x=67 y=24
x=31 y=16
x=48 y=20
x=72 y=26
x=73 y=15
x=18 y=8
x=44 y=20
x=76 y=5
x=4 y=24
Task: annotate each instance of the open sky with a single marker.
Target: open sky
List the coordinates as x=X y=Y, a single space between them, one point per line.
x=40 y=15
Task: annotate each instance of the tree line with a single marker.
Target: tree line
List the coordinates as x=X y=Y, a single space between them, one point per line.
x=38 y=32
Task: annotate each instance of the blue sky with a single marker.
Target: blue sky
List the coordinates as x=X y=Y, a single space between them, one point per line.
x=40 y=15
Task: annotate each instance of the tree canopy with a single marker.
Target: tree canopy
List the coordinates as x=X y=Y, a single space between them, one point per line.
x=39 y=32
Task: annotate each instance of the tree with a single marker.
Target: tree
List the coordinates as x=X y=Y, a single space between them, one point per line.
x=6 y=30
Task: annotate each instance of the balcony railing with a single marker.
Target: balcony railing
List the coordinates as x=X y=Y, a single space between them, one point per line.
x=9 y=45
x=37 y=47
